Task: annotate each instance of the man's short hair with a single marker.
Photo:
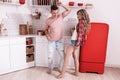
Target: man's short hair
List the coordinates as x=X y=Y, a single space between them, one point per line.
x=54 y=7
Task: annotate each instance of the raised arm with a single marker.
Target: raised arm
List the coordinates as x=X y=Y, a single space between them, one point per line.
x=67 y=10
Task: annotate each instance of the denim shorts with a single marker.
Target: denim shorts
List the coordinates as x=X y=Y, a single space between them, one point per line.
x=73 y=42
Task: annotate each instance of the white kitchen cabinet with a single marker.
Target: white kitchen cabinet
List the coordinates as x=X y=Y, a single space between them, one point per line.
x=41 y=57
x=17 y=52
x=4 y=55
x=13 y=54
x=41 y=51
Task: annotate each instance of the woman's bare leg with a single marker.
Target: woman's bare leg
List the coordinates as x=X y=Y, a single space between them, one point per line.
x=69 y=50
x=76 y=62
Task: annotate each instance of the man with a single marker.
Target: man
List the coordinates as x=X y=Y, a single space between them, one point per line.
x=54 y=34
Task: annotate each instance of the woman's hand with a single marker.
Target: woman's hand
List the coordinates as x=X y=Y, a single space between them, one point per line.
x=88 y=30
x=75 y=47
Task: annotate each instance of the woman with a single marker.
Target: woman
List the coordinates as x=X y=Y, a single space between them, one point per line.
x=77 y=40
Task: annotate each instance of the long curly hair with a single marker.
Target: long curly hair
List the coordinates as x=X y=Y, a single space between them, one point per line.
x=85 y=17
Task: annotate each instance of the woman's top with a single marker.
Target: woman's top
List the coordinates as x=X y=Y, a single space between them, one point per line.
x=74 y=34
x=81 y=33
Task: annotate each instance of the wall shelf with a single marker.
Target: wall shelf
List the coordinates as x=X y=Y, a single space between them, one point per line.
x=9 y=3
x=85 y=6
x=80 y=6
x=43 y=2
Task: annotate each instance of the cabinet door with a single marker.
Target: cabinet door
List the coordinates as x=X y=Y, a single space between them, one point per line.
x=18 y=55
x=4 y=59
x=41 y=54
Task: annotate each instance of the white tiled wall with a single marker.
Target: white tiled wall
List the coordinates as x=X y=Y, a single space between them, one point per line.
x=13 y=20
x=69 y=21
x=13 y=15
x=45 y=13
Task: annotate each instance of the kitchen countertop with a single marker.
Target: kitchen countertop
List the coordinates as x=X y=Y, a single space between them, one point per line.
x=8 y=37
x=18 y=36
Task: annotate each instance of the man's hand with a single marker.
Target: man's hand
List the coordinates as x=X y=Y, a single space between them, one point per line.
x=59 y=3
x=67 y=10
x=48 y=37
x=46 y=31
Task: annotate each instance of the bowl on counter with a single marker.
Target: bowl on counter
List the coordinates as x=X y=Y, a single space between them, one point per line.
x=40 y=32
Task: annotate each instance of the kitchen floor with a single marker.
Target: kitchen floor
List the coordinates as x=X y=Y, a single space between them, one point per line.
x=39 y=73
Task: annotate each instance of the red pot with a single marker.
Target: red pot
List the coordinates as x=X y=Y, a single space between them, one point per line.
x=22 y=1
x=71 y=3
x=80 y=4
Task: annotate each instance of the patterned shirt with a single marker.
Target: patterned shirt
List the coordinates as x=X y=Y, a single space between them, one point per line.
x=81 y=33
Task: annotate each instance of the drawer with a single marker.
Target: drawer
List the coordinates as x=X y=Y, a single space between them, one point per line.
x=41 y=39
x=17 y=40
x=4 y=41
x=41 y=47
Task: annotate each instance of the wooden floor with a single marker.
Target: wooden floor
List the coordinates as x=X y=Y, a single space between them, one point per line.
x=39 y=73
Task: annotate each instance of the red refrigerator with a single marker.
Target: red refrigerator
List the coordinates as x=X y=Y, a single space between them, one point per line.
x=93 y=53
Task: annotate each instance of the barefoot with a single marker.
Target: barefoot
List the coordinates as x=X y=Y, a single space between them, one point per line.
x=76 y=73
x=60 y=76
x=57 y=69
x=49 y=71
